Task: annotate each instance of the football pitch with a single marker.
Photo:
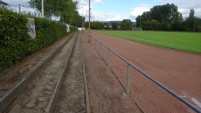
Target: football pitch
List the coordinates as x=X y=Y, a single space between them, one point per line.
x=185 y=41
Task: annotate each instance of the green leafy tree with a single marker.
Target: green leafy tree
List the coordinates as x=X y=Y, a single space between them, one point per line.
x=94 y=25
x=114 y=26
x=126 y=24
x=138 y=21
x=106 y=26
x=151 y=25
x=190 y=21
x=167 y=17
x=146 y=16
x=66 y=9
x=167 y=12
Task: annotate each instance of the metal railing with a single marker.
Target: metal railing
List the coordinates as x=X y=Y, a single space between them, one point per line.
x=129 y=64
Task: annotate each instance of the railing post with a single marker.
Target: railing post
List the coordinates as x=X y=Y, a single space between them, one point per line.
x=108 y=60
x=128 y=79
x=92 y=42
x=95 y=44
x=101 y=50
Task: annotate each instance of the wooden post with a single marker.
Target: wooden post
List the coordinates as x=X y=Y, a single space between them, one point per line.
x=89 y=21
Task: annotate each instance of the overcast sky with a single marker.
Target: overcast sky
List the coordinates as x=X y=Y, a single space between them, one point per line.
x=105 y=10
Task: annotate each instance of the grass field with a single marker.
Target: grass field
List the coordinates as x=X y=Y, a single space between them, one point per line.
x=185 y=41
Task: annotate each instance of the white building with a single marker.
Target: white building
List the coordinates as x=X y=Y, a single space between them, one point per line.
x=3 y=4
x=81 y=28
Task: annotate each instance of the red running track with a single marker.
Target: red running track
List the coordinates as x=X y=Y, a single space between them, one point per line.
x=178 y=70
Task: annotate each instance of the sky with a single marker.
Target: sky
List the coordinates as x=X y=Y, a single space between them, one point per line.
x=117 y=10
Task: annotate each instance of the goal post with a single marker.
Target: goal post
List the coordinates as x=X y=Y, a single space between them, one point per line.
x=136 y=29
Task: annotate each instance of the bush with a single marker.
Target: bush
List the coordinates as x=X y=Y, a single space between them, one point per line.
x=15 y=43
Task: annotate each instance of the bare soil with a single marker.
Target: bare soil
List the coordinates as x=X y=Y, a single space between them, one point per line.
x=105 y=92
x=178 y=70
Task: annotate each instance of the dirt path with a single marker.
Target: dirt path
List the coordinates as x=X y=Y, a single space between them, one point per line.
x=72 y=95
x=178 y=70
x=105 y=92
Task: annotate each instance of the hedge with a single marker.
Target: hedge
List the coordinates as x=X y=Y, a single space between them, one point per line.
x=16 y=44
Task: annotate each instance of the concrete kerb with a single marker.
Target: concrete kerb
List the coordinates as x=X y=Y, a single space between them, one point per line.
x=85 y=83
x=7 y=99
x=54 y=97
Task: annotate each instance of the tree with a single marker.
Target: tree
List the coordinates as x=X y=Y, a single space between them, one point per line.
x=166 y=17
x=66 y=9
x=107 y=26
x=126 y=24
x=151 y=25
x=95 y=25
x=146 y=16
x=190 y=21
x=114 y=26
x=198 y=24
x=138 y=21
x=167 y=12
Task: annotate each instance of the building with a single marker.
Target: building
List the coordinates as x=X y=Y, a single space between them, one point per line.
x=81 y=28
x=3 y=4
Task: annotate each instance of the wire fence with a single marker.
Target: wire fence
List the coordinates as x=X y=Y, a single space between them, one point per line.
x=100 y=47
x=24 y=10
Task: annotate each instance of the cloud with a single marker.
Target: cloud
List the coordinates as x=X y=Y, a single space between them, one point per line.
x=83 y=9
x=184 y=6
x=106 y=16
x=86 y=2
x=16 y=2
x=185 y=12
x=83 y=6
x=139 y=10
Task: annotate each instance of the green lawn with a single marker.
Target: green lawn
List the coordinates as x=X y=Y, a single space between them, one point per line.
x=186 y=41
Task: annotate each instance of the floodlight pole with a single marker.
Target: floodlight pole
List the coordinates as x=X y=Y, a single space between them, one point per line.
x=42 y=9
x=19 y=8
x=89 y=20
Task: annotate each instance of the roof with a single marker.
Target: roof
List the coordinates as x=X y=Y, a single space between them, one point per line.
x=2 y=2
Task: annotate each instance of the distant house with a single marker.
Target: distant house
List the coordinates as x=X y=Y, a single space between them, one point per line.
x=3 y=4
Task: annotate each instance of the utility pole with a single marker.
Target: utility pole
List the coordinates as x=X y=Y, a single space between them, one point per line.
x=19 y=8
x=89 y=20
x=194 y=24
x=140 y=21
x=42 y=9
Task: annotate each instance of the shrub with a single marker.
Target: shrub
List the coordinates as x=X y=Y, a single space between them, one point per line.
x=15 y=43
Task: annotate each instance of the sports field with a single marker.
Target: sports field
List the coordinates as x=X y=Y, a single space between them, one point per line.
x=185 y=41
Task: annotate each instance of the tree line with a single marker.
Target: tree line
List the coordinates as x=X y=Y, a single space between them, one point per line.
x=168 y=18
x=125 y=24
x=161 y=17
x=65 y=9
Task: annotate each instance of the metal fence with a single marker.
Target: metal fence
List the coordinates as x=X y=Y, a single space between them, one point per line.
x=130 y=65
